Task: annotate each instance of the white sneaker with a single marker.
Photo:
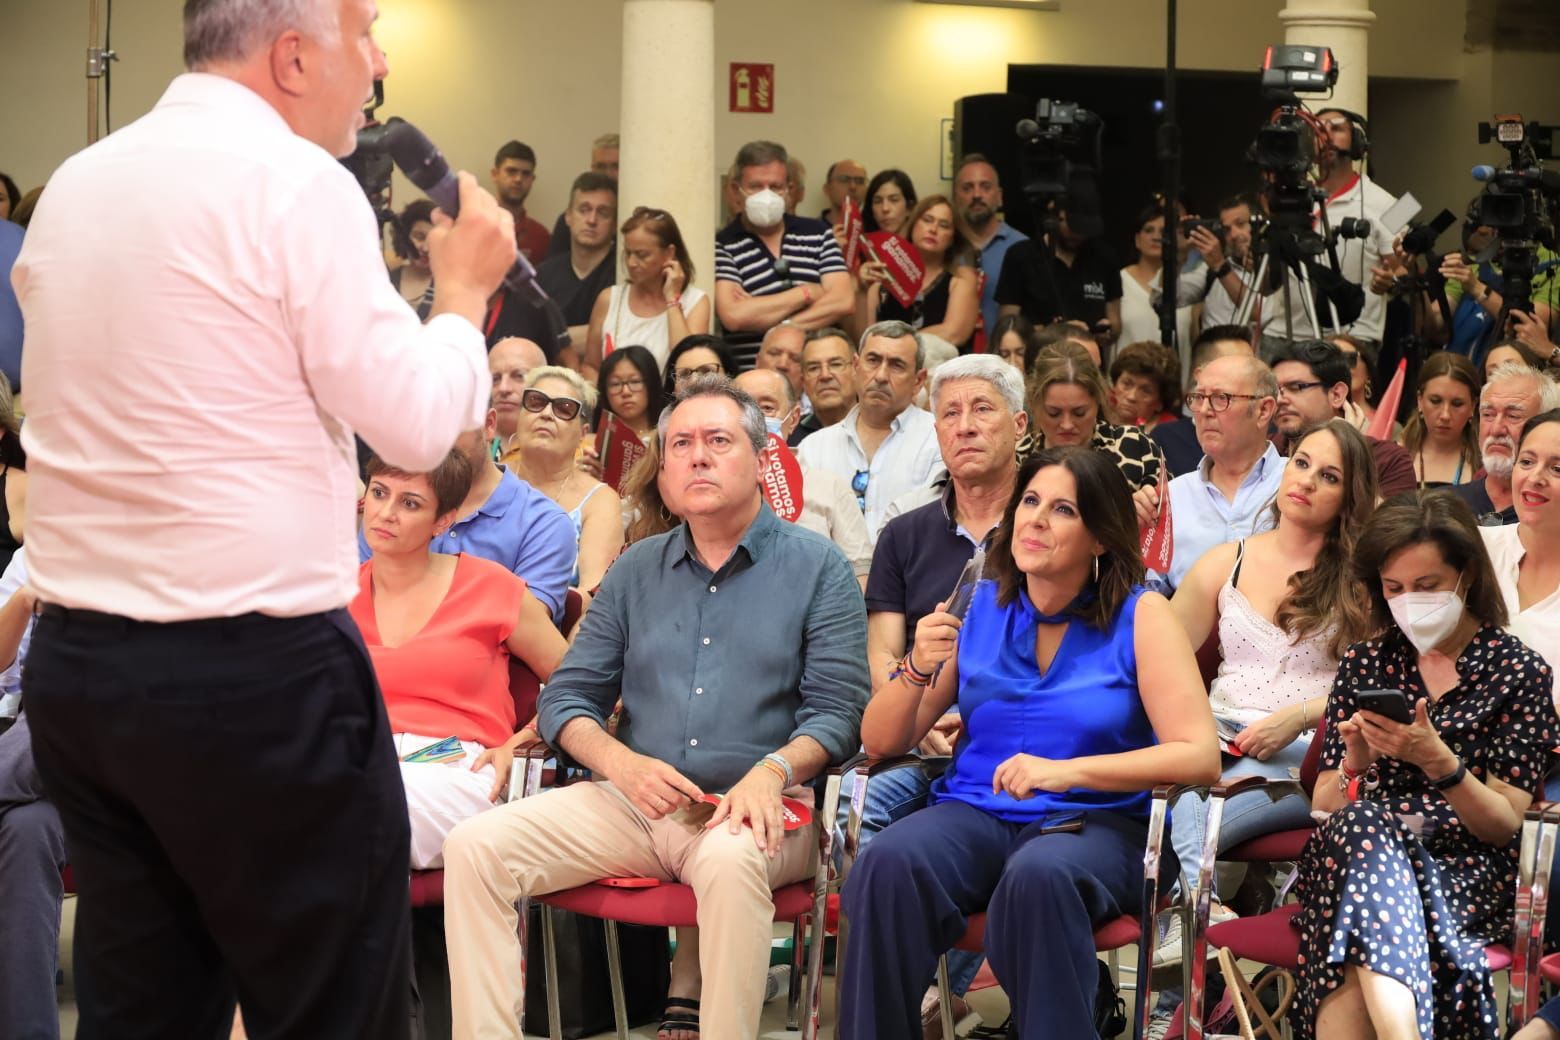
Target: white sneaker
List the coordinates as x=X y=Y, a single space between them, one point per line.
x=1168 y=951
x=1158 y=1026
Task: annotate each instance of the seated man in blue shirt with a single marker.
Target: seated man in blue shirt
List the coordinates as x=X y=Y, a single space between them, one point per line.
x=32 y=843
x=737 y=645
x=1227 y=496
x=506 y=520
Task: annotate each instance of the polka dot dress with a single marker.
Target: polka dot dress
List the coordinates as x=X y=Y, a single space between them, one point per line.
x=1422 y=911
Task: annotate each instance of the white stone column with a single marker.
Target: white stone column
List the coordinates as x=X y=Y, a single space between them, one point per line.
x=1343 y=25
x=667 y=120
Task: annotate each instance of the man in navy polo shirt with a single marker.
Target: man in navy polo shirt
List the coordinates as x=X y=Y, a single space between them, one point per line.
x=771 y=266
x=978 y=408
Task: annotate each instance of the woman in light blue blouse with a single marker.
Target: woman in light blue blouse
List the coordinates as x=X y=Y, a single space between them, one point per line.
x=1061 y=728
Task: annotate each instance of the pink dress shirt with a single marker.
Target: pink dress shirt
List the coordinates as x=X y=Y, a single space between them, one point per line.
x=208 y=319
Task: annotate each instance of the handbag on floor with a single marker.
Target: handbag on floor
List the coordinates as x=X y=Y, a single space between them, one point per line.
x=584 y=987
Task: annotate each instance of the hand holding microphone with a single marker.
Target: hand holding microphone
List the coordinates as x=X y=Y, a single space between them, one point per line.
x=470 y=254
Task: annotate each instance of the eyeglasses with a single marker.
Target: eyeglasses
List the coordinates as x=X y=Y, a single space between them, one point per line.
x=783 y=269
x=834 y=366
x=565 y=408
x=682 y=375
x=1217 y=401
x=858 y=484
x=1296 y=387
x=633 y=386
x=845 y=178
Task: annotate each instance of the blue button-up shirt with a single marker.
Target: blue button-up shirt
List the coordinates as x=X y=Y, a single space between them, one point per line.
x=716 y=670
x=991 y=256
x=520 y=528
x=1201 y=517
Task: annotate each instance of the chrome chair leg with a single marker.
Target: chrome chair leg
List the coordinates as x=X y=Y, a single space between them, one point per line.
x=615 y=971
x=550 y=958
x=793 y=995
x=945 y=996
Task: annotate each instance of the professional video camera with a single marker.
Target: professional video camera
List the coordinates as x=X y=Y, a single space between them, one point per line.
x=1060 y=164
x=1286 y=150
x=1519 y=203
x=370 y=163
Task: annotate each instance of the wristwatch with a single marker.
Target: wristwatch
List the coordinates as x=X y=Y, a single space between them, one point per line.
x=1223 y=269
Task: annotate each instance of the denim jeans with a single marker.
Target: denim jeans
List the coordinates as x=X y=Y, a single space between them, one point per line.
x=892 y=796
x=1246 y=816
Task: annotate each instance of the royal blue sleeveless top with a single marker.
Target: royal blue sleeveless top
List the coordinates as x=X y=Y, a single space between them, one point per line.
x=1086 y=704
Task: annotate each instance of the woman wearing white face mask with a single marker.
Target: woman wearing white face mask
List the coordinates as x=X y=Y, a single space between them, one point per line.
x=1422 y=813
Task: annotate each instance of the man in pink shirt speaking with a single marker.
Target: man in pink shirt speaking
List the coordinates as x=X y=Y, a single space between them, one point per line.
x=204 y=714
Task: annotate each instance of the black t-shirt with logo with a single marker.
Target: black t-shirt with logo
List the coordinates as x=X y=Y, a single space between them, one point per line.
x=1093 y=280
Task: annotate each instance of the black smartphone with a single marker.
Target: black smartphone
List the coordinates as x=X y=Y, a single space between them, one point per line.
x=1390 y=703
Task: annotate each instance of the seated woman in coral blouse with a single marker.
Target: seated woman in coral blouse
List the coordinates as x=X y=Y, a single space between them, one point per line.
x=440 y=630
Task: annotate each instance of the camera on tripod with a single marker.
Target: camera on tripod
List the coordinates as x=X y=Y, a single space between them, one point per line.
x=1519 y=203
x=370 y=163
x=1059 y=162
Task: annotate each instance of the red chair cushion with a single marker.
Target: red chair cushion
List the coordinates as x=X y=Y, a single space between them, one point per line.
x=69 y=879
x=427 y=888
x=666 y=905
x=1549 y=968
x=1271 y=938
x=1112 y=935
x=1267 y=938
x=1270 y=848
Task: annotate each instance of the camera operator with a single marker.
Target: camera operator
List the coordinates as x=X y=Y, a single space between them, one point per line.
x=1474 y=284
x=1083 y=283
x=1229 y=269
x=1351 y=193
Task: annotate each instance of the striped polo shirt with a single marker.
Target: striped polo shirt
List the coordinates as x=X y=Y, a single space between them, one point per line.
x=808 y=249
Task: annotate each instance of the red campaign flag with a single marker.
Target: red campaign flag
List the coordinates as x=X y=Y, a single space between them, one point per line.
x=1159 y=539
x=854 y=228
x=905 y=269
x=781 y=477
x=1386 y=411
x=618 y=447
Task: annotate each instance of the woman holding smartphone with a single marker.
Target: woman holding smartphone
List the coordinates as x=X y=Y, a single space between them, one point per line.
x=658 y=304
x=1414 y=870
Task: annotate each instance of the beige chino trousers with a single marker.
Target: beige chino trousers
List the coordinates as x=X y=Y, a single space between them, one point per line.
x=563 y=838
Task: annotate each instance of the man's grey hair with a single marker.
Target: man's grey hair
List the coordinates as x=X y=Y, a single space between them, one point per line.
x=787 y=389
x=1263 y=382
x=1003 y=377
x=230 y=30
x=714 y=384
x=1511 y=371
x=896 y=330
x=606 y=141
x=761 y=153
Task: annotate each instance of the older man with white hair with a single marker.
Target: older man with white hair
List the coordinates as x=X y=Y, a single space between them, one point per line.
x=1512 y=395
x=508 y=362
x=977 y=406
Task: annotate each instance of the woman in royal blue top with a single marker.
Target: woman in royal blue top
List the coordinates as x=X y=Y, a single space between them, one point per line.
x=1060 y=726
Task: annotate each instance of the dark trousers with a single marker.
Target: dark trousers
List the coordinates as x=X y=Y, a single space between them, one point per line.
x=911 y=893
x=32 y=851
x=235 y=821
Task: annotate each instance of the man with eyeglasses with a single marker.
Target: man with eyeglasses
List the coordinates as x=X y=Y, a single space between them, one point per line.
x=1313 y=386
x=828 y=380
x=885 y=446
x=1226 y=497
x=771 y=266
x=844 y=179
x=1512 y=395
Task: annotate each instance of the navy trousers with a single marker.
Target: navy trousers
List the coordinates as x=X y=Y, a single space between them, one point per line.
x=910 y=895
x=235 y=821
x=32 y=851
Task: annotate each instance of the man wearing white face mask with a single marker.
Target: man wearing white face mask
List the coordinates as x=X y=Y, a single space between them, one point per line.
x=771 y=266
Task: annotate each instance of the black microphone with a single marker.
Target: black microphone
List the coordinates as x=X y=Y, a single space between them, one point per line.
x=425 y=166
